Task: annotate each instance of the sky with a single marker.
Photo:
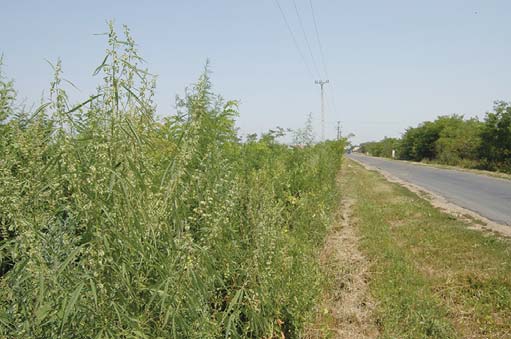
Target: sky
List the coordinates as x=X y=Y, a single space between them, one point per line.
x=391 y=64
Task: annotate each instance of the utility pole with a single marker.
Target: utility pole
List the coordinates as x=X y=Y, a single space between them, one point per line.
x=321 y=83
x=338 y=130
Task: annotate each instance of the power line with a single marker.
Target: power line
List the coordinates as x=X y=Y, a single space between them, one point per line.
x=322 y=54
x=294 y=39
x=315 y=65
x=318 y=39
x=306 y=39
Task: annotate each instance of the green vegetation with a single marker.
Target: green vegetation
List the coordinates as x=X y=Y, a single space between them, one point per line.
x=432 y=276
x=381 y=148
x=116 y=225
x=453 y=140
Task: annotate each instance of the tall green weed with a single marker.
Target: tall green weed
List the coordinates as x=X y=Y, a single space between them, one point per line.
x=116 y=225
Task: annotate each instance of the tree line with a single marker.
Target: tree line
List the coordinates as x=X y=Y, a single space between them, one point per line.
x=455 y=140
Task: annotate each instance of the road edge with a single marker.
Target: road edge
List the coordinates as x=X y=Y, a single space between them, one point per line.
x=441 y=203
x=490 y=174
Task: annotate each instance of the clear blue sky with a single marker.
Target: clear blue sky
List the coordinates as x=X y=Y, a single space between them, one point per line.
x=392 y=63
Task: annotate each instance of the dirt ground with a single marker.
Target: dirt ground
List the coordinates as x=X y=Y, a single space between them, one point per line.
x=348 y=308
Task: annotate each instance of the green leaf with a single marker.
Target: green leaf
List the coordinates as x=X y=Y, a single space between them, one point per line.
x=70 y=305
x=100 y=67
x=42 y=312
x=83 y=104
x=66 y=262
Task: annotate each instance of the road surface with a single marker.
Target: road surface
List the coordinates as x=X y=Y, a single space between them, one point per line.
x=487 y=196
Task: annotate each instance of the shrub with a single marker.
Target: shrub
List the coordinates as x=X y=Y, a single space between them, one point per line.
x=116 y=225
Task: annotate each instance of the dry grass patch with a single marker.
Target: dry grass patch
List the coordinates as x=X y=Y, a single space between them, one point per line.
x=347 y=311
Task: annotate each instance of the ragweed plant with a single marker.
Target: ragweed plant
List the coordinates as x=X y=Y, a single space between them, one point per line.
x=114 y=224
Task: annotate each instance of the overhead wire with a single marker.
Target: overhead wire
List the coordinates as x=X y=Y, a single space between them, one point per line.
x=330 y=99
x=322 y=55
x=306 y=39
x=295 y=42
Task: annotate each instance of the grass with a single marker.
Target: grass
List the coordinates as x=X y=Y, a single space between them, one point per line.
x=431 y=276
x=116 y=224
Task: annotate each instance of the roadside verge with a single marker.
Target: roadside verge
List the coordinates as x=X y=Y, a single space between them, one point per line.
x=428 y=273
x=347 y=310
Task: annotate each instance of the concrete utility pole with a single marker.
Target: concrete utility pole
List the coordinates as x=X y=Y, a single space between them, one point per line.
x=321 y=83
x=338 y=130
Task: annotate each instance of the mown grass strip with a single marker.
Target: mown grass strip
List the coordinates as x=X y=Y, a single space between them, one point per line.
x=432 y=275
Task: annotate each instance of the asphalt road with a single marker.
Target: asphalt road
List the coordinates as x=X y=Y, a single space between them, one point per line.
x=489 y=197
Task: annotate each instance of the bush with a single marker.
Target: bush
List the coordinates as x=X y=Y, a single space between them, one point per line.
x=456 y=141
x=116 y=225
x=381 y=148
x=495 y=147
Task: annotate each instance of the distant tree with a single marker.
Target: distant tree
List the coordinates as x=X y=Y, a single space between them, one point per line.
x=371 y=148
x=419 y=143
x=495 y=149
x=382 y=148
x=388 y=145
x=454 y=140
x=406 y=149
x=459 y=142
